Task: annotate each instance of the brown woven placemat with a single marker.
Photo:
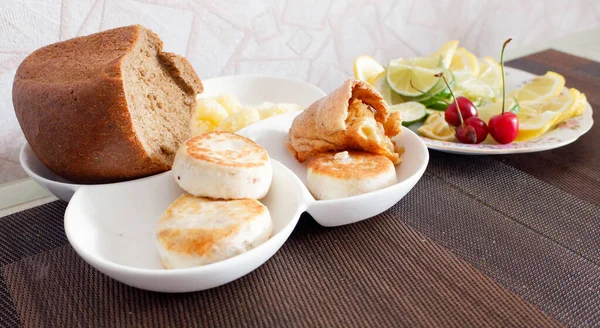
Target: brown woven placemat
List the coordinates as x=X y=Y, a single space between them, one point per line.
x=530 y=223
x=378 y=272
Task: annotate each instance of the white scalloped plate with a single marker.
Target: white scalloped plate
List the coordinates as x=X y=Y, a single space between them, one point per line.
x=562 y=135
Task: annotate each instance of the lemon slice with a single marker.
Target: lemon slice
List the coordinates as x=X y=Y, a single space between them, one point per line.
x=436 y=127
x=446 y=52
x=366 y=67
x=578 y=107
x=490 y=72
x=464 y=62
x=536 y=117
x=473 y=87
x=420 y=71
x=540 y=88
x=487 y=111
x=411 y=112
x=381 y=85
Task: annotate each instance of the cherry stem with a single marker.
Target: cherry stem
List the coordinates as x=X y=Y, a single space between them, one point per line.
x=441 y=74
x=413 y=86
x=502 y=68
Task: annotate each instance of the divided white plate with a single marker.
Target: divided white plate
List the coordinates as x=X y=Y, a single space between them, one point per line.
x=562 y=135
x=112 y=226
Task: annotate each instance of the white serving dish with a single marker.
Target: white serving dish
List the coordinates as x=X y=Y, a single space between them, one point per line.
x=112 y=226
x=250 y=90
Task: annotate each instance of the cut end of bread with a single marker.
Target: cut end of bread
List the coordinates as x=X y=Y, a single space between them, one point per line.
x=182 y=72
x=161 y=90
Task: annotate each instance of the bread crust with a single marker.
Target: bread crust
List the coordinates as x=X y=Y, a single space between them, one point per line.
x=70 y=101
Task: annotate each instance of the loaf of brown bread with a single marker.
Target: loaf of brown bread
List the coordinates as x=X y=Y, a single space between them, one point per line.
x=106 y=107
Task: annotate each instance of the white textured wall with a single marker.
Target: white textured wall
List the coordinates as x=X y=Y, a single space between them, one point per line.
x=313 y=40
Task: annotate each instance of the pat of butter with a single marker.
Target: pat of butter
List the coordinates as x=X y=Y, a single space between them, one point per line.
x=343 y=156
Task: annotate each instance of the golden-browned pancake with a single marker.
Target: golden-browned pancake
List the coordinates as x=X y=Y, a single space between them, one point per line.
x=223 y=165
x=196 y=231
x=348 y=173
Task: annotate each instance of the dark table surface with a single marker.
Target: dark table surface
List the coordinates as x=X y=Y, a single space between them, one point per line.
x=481 y=241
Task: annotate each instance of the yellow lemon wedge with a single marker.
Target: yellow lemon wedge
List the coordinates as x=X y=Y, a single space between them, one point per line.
x=490 y=72
x=464 y=62
x=446 y=52
x=540 y=88
x=487 y=111
x=436 y=127
x=537 y=117
x=381 y=85
x=578 y=108
x=421 y=71
x=366 y=67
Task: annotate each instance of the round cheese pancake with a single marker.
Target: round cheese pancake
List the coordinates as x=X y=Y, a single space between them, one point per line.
x=223 y=165
x=348 y=173
x=196 y=231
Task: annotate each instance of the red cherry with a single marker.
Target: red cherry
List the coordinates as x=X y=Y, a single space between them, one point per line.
x=466 y=134
x=481 y=129
x=504 y=127
x=467 y=109
x=473 y=131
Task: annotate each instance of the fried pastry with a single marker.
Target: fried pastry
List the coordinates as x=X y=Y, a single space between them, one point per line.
x=354 y=116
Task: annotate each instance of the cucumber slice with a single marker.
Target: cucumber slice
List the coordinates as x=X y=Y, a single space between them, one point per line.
x=411 y=112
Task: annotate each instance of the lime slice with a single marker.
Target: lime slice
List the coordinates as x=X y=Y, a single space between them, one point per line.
x=381 y=85
x=422 y=62
x=420 y=71
x=411 y=112
x=473 y=87
x=439 y=92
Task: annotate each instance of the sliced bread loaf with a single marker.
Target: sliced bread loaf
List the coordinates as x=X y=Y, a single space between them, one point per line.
x=106 y=107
